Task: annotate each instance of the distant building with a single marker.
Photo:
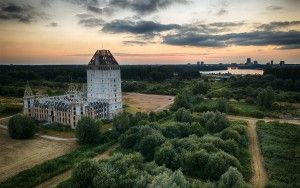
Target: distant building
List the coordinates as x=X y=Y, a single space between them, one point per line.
x=255 y=62
x=248 y=61
x=272 y=62
x=281 y=63
x=102 y=99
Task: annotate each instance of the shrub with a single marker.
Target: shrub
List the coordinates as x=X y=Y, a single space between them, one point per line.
x=84 y=173
x=121 y=122
x=222 y=106
x=215 y=121
x=21 y=127
x=266 y=98
x=88 y=131
x=183 y=115
x=232 y=178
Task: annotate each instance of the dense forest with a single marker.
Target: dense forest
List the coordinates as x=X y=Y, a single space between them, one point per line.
x=141 y=78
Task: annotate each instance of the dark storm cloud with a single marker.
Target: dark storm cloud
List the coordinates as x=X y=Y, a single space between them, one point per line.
x=278 y=25
x=289 y=47
x=256 y=38
x=21 y=13
x=144 y=7
x=91 y=22
x=148 y=29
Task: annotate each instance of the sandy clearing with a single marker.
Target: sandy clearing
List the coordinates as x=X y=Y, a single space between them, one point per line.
x=19 y=155
x=147 y=102
x=53 y=182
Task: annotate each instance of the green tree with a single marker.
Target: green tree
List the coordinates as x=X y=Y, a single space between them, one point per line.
x=183 y=115
x=88 y=131
x=149 y=143
x=106 y=176
x=222 y=106
x=232 y=178
x=84 y=173
x=121 y=122
x=215 y=121
x=266 y=98
x=200 y=87
x=165 y=180
x=21 y=127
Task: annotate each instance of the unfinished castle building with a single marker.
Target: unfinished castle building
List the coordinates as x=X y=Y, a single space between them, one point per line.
x=102 y=98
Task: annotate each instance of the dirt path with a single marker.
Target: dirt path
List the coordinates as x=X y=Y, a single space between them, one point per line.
x=54 y=181
x=259 y=177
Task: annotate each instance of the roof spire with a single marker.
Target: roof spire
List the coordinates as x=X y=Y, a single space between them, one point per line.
x=28 y=92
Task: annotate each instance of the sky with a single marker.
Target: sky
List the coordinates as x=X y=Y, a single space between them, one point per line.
x=149 y=31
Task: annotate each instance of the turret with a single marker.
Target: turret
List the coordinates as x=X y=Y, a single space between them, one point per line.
x=28 y=100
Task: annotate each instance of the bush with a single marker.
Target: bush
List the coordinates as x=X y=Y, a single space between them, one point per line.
x=84 y=173
x=215 y=121
x=232 y=178
x=88 y=131
x=183 y=115
x=222 y=106
x=21 y=127
x=266 y=98
x=121 y=122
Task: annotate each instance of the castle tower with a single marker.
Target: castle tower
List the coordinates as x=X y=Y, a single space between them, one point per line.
x=28 y=100
x=104 y=81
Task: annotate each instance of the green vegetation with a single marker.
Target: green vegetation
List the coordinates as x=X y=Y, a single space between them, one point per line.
x=207 y=148
x=21 y=127
x=88 y=131
x=279 y=143
x=265 y=98
x=51 y=168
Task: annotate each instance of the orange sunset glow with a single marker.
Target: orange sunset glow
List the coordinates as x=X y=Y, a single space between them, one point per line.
x=139 y=32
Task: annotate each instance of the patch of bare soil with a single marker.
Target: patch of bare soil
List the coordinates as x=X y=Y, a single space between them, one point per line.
x=138 y=102
x=19 y=155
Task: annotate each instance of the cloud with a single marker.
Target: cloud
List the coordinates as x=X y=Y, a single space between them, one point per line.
x=134 y=42
x=144 y=7
x=278 y=25
x=91 y=22
x=274 y=7
x=21 y=13
x=255 y=38
x=147 y=29
x=52 y=24
x=222 y=10
x=289 y=47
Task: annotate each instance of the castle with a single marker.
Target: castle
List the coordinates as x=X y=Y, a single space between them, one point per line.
x=102 y=97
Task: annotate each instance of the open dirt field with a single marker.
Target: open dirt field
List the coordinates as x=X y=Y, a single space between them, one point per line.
x=19 y=155
x=138 y=102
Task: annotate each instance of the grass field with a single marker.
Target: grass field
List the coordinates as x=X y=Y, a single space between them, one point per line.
x=19 y=155
x=51 y=168
x=280 y=143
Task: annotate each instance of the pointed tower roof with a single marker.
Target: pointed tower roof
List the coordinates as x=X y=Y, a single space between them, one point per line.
x=103 y=60
x=28 y=92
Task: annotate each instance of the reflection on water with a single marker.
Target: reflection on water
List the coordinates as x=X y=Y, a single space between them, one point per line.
x=235 y=71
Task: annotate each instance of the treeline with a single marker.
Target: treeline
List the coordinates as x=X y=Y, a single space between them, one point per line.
x=286 y=72
x=77 y=73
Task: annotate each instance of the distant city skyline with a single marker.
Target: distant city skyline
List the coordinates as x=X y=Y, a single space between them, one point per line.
x=149 y=32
